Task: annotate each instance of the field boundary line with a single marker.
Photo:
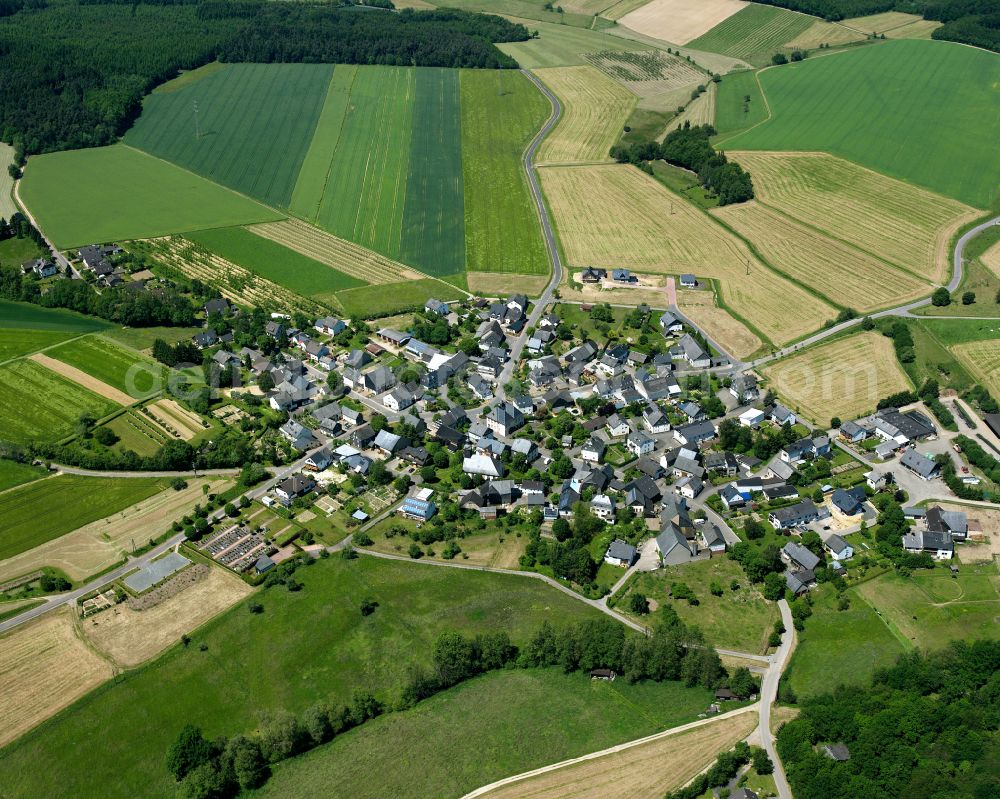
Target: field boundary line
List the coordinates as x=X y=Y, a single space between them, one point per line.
x=340 y=133
x=610 y=750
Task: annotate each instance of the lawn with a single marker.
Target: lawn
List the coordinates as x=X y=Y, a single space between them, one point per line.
x=522 y=719
x=14 y=252
x=124 y=369
x=40 y=511
x=754 y=33
x=129 y=195
x=370 y=302
x=933 y=359
x=501 y=113
x=840 y=646
x=38 y=404
x=740 y=619
x=273 y=261
x=305 y=647
x=931 y=608
x=142 y=338
x=14 y=474
x=16 y=342
x=921 y=111
x=739 y=102
x=33 y=317
x=259 y=115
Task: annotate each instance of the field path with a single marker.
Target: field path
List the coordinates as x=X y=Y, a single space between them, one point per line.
x=83 y=379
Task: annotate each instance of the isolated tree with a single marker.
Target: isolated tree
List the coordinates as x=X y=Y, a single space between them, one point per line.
x=638 y=604
x=743 y=683
x=968 y=298
x=941 y=297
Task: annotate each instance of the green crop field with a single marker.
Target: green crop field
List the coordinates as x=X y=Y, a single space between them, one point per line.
x=115 y=193
x=33 y=317
x=308 y=646
x=38 y=404
x=18 y=341
x=14 y=474
x=125 y=370
x=501 y=112
x=754 y=33
x=385 y=299
x=272 y=261
x=922 y=111
x=43 y=510
x=733 y=110
x=449 y=733
x=433 y=235
x=248 y=114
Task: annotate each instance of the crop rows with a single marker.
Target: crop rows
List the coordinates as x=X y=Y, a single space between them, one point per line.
x=646 y=65
x=111 y=364
x=982 y=359
x=754 y=30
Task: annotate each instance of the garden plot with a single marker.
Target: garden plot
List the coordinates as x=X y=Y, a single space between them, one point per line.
x=720 y=325
x=178 y=421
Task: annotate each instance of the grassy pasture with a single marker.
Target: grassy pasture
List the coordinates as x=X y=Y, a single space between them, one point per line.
x=273 y=261
x=615 y=215
x=40 y=511
x=934 y=128
x=38 y=404
x=142 y=338
x=907 y=226
x=14 y=474
x=754 y=33
x=138 y=433
x=844 y=378
x=982 y=359
x=23 y=315
x=448 y=734
x=501 y=112
x=14 y=252
x=129 y=195
x=595 y=108
x=17 y=341
x=370 y=302
x=125 y=370
x=739 y=102
x=844 y=275
x=255 y=120
x=256 y=663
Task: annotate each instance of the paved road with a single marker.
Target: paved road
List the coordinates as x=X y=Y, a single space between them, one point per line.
x=70 y=597
x=769 y=693
x=61 y=261
x=539 y=307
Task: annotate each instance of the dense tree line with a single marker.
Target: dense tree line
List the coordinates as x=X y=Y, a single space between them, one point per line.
x=689 y=147
x=924 y=727
x=74 y=75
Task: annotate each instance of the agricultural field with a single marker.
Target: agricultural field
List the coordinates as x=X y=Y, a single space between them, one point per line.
x=595 y=109
x=932 y=608
x=907 y=226
x=20 y=341
x=842 y=274
x=130 y=195
x=649 y=74
x=371 y=302
x=615 y=215
x=83 y=379
x=90 y=543
x=720 y=325
x=44 y=666
x=982 y=359
x=563 y=46
x=497 y=284
x=13 y=474
x=44 y=510
x=261 y=114
x=7 y=206
x=754 y=33
x=274 y=262
x=501 y=113
x=125 y=370
x=142 y=338
x=700 y=111
x=55 y=403
x=138 y=433
x=680 y=21
x=448 y=734
x=991 y=259
x=25 y=316
x=894 y=24
x=177 y=419
x=130 y=637
x=286 y=665
x=840 y=647
x=935 y=129
x=643 y=771
x=846 y=377
x=822 y=32
x=739 y=103
x=740 y=619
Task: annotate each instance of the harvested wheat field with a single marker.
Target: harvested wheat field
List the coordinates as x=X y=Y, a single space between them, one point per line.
x=843 y=274
x=982 y=358
x=908 y=226
x=351 y=259
x=44 y=666
x=991 y=259
x=96 y=546
x=823 y=32
x=844 y=378
x=176 y=418
x=131 y=637
x=700 y=111
x=617 y=216
x=500 y=284
x=595 y=109
x=81 y=378
x=648 y=73
x=644 y=770
x=720 y=325
x=680 y=21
